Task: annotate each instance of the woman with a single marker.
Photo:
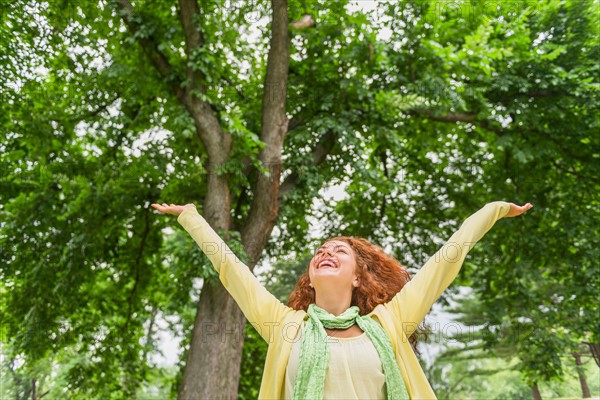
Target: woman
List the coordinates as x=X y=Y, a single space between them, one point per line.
x=341 y=335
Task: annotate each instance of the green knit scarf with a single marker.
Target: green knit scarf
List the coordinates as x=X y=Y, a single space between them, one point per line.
x=314 y=352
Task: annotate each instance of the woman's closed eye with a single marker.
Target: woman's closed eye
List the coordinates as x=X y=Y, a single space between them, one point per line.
x=320 y=251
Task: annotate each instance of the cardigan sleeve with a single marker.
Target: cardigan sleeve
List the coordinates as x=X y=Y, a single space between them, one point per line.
x=262 y=309
x=415 y=299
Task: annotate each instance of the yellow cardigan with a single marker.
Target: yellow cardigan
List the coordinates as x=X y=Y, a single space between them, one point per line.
x=278 y=324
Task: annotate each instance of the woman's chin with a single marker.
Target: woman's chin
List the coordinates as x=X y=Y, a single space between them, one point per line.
x=328 y=279
x=326 y=273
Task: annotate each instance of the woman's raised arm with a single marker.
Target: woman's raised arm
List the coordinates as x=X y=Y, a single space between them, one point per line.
x=415 y=299
x=260 y=307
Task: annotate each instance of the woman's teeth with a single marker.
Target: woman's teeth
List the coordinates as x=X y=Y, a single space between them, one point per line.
x=327 y=264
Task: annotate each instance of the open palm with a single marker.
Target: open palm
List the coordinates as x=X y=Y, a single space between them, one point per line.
x=172 y=209
x=516 y=210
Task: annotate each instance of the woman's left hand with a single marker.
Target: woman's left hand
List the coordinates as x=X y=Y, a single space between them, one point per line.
x=516 y=210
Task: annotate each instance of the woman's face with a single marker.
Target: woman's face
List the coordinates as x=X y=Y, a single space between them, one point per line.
x=334 y=262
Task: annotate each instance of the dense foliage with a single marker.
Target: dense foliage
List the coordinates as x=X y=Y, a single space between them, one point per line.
x=423 y=111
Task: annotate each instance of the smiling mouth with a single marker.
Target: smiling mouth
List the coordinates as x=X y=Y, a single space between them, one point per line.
x=327 y=264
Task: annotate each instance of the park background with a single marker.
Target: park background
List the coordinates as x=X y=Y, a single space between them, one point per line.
x=288 y=122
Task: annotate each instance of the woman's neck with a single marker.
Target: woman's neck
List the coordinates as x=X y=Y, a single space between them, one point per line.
x=333 y=303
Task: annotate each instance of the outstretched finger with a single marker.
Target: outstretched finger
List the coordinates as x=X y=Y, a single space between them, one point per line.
x=158 y=207
x=525 y=208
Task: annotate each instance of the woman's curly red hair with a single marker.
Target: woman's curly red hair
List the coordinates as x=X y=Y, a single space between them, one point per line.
x=381 y=277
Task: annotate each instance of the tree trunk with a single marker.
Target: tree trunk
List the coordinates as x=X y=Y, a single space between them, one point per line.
x=213 y=362
x=585 y=390
x=536 y=392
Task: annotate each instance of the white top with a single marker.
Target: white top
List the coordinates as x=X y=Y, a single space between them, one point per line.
x=354 y=371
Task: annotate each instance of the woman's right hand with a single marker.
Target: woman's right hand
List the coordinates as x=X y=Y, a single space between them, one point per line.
x=516 y=210
x=172 y=209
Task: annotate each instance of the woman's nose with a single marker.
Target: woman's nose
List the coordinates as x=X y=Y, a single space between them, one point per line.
x=327 y=252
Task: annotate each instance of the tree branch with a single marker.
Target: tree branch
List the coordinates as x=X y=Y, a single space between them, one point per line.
x=448 y=117
x=240 y=94
x=384 y=158
x=150 y=47
x=149 y=332
x=575 y=173
x=138 y=262
x=322 y=149
x=247 y=166
x=97 y=111
x=217 y=142
x=194 y=38
x=296 y=122
x=264 y=207
x=293 y=123
x=453 y=117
